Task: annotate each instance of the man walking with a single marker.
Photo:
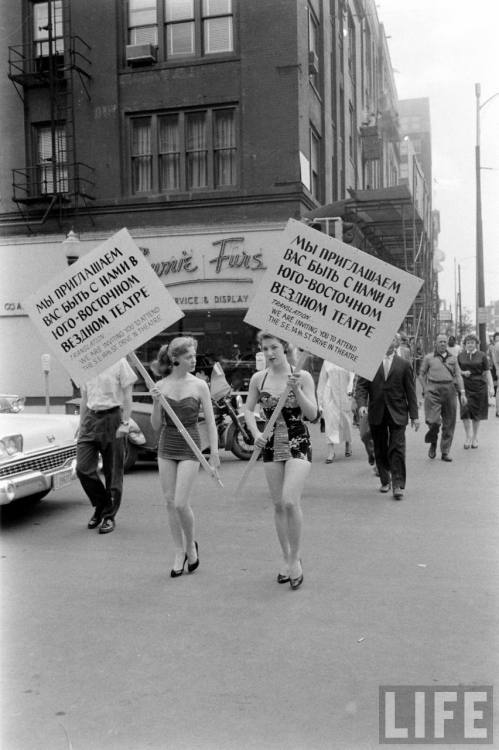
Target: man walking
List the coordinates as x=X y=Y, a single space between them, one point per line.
x=106 y=406
x=389 y=400
x=440 y=375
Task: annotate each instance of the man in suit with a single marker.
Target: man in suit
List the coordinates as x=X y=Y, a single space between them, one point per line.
x=389 y=400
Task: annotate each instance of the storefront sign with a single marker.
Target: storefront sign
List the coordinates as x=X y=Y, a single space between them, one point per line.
x=332 y=299
x=12 y=309
x=102 y=307
x=205 y=271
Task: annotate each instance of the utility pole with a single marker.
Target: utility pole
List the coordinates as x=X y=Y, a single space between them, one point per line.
x=459 y=312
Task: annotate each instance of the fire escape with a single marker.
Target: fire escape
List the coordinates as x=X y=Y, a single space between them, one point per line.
x=51 y=73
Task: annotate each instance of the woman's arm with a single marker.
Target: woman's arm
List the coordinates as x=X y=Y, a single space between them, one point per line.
x=350 y=384
x=205 y=398
x=157 y=409
x=321 y=386
x=302 y=385
x=251 y=402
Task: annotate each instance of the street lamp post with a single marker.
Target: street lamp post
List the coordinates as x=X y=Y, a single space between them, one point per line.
x=480 y=281
x=72 y=251
x=72 y=247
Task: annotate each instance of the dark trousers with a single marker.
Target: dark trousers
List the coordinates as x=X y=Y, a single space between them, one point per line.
x=98 y=438
x=440 y=406
x=389 y=450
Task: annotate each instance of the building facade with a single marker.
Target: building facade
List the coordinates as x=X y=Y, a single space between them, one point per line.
x=202 y=126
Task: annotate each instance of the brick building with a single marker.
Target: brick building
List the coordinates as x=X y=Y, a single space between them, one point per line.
x=202 y=126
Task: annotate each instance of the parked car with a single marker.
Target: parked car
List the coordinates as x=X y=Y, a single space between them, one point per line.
x=37 y=453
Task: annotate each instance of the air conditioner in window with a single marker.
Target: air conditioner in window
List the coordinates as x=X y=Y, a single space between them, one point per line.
x=140 y=53
x=313 y=63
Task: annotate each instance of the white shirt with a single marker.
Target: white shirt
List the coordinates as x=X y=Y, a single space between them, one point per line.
x=106 y=390
x=387 y=363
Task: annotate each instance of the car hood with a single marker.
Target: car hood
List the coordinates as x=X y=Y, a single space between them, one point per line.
x=40 y=431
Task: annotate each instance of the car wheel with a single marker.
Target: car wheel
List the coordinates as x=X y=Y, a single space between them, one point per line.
x=131 y=455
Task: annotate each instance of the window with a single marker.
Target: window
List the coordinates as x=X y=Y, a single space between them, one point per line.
x=141 y=155
x=217 y=26
x=52 y=174
x=169 y=153
x=351 y=52
x=142 y=24
x=351 y=131
x=314 y=164
x=191 y=28
x=183 y=151
x=180 y=28
x=42 y=14
x=198 y=27
x=313 y=47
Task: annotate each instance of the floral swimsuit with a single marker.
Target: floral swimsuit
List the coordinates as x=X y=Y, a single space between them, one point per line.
x=290 y=438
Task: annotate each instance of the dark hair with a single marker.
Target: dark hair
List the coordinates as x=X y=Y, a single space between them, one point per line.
x=267 y=335
x=471 y=337
x=495 y=336
x=168 y=353
x=452 y=340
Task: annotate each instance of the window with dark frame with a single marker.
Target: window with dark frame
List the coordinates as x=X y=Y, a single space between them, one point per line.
x=51 y=169
x=183 y=151
x=314 y=164
x=41 y=31
x=142 y=22
x=191 y=28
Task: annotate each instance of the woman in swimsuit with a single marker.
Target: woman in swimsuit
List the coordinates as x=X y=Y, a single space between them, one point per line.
x=287 y=455
x=178 y=465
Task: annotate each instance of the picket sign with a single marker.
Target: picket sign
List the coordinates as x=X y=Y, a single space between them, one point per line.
x=176 y=421
x=270 y=424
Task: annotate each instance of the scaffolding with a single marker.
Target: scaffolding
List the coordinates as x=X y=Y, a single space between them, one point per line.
x=388 y=225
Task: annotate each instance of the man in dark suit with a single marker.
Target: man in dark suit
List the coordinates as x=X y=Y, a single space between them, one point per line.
x=389 y=400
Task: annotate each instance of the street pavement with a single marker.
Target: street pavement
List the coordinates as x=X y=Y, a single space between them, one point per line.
x=102 y=650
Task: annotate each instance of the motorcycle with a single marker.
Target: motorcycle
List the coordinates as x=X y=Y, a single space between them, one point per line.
x=228 y=408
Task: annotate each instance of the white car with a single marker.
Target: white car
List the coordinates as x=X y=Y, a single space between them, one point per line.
x=37 y=453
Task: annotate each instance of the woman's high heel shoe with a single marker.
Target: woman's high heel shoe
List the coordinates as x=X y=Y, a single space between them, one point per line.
x=176 y=573
x=191 y=567
x=295 y=583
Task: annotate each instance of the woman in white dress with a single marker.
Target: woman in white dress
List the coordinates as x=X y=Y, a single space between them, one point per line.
x=334 y=396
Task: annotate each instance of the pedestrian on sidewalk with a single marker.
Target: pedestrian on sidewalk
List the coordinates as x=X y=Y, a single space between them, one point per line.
x=403 y=349
x=287 y=455
x=452 y=346
x=478 y=385
x=389 y=400
x=440 y=379
x=334 y=396
x=177 y=463
x=106 y=405
x=494 y=367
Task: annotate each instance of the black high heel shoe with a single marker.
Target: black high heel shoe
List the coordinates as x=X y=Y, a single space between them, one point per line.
x=176 y=573
x=191 y=567
x=295 y=583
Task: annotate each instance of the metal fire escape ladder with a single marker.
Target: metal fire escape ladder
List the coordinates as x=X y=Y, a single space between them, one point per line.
x=63 y=183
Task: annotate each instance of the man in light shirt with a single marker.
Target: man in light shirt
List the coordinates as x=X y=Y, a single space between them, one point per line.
x=440 y=376
x=106 y=406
